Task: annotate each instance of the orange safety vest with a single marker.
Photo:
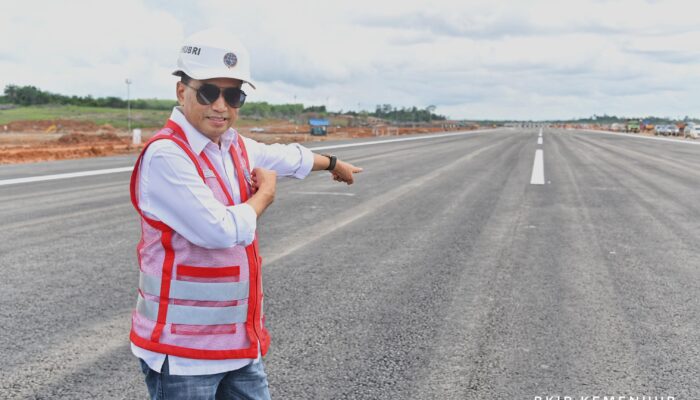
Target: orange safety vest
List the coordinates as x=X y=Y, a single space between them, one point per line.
x=195 y=302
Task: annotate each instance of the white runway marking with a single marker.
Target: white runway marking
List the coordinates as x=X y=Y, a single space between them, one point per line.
x=537 y=177
x=64 y=176
x=126 y=169
x=327 y=193
x=539 y=140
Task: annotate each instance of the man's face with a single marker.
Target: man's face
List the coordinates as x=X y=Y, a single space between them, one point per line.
x=211 y=120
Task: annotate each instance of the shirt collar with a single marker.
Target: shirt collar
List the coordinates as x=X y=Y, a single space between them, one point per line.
x=197 y=140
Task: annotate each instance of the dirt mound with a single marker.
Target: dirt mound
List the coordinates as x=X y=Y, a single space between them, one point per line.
x=107 y=129
x=71 y=145
x=50 y=126
x=75 y=138
x=24 y=155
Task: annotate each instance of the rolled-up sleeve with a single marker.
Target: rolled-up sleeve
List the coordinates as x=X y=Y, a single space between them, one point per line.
x=245 y=220
x=289 y=160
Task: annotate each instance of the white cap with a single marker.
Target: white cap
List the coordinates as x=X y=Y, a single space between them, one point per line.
x=214 y=53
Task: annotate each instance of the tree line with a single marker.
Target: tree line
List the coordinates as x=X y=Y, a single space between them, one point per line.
x=33 y=96
x=407 y=114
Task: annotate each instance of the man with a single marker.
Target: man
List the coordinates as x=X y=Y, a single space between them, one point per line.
x=199 y=187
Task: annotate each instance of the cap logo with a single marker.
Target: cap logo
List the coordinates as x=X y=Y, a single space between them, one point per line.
x=191 y=50
x=230 y=60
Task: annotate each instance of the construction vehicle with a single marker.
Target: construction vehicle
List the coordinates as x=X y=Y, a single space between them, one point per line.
x=632 y=126
x=319 y=127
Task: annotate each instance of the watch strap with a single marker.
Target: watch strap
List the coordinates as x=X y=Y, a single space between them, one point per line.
x=333 y=160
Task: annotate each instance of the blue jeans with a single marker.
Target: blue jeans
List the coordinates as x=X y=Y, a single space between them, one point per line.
x=249 y=382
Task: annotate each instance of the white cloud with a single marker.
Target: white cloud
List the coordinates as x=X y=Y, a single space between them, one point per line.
x=87 y=47
x=479 y=59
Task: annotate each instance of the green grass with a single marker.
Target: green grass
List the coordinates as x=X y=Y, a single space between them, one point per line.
x=113 y=116
x=116 y=117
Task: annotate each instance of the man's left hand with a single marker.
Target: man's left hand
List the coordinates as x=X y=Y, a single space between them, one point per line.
x=343 y=172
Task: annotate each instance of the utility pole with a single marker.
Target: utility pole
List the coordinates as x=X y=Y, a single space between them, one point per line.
x=128 y=102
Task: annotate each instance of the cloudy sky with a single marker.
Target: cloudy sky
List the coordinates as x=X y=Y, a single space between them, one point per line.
x=470 y=58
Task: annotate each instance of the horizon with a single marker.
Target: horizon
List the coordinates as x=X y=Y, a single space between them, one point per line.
x=346 y=112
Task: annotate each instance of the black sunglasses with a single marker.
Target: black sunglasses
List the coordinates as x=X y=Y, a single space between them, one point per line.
x=208 y=93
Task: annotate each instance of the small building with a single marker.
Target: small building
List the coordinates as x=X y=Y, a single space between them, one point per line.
x=319 y=127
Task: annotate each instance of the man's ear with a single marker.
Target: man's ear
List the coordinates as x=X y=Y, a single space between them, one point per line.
x=180 y=92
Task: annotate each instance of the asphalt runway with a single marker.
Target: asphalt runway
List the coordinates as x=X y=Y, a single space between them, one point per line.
x=443 y=273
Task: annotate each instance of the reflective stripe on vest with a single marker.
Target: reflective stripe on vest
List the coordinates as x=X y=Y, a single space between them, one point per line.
x=188 y=290
x=193 y=315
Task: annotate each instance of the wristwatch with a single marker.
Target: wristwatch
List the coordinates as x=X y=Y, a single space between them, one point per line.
x=333 y=159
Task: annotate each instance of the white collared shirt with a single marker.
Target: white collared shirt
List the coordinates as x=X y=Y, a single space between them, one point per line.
x=167 y=174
